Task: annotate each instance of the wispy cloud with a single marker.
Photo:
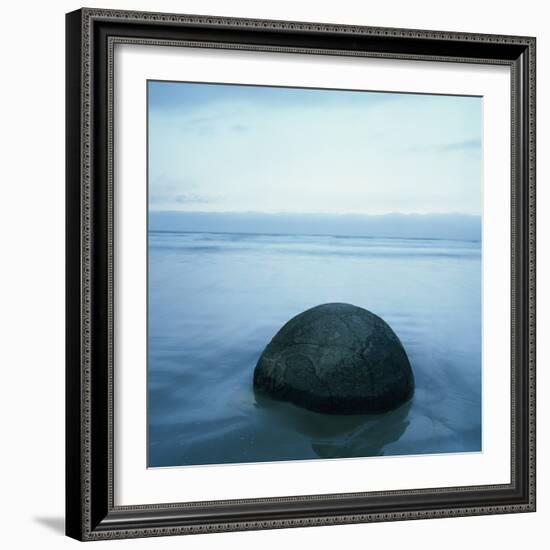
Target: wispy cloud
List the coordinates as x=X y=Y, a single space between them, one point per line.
x=239 y=128
x=194 y=198
x=164 y=191
x=463 y=145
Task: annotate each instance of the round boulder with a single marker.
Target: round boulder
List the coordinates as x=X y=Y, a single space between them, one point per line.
x=336 y=358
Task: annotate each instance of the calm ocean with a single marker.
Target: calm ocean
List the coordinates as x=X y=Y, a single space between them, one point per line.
x=216 y=300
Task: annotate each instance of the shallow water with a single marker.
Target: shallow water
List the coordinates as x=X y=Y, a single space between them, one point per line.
x=215 y=301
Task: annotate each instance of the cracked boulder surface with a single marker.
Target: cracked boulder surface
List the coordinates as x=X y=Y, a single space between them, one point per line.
x=336 y=358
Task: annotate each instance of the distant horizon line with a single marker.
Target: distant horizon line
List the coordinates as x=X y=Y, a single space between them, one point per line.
x=442 y=226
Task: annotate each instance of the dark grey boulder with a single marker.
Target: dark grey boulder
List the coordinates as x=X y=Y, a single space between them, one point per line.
x=336 y=358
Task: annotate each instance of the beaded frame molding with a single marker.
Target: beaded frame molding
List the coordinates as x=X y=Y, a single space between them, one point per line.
x=90 y=40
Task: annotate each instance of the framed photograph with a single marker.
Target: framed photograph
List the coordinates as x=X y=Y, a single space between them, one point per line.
x=300 y=274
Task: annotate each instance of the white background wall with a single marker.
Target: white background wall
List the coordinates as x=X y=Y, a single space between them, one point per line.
x=32 y=273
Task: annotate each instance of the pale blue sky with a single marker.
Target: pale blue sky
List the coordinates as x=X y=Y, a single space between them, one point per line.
x=227 y=148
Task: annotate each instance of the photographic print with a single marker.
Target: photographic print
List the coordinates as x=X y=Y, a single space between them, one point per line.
x=314 y=273
x=300 y=274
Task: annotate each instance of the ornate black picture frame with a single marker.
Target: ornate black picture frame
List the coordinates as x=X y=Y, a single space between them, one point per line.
x=90 y=510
